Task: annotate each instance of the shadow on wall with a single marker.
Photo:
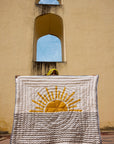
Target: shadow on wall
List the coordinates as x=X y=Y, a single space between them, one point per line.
x=3 y=126
x=107 y=128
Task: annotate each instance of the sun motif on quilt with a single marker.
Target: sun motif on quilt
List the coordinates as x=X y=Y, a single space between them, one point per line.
x=56 y=102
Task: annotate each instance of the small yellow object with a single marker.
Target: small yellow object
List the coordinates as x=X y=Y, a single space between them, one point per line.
x=51 y=71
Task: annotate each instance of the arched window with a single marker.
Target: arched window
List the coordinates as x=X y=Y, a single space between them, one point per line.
x=52 y=2
x=49 y=49
x=48 y=29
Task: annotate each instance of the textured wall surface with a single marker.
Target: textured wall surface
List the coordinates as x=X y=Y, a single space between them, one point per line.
x=88 y=31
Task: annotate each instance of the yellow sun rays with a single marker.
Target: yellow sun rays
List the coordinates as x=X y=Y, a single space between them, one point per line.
x=56 y=103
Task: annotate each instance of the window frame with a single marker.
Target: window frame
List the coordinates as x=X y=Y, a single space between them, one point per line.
x=37 y=34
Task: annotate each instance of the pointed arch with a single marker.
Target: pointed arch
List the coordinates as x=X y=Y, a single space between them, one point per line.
x=48 y=24
x=49 y=49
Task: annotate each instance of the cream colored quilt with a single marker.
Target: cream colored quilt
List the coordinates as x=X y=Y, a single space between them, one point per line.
x=56 y=110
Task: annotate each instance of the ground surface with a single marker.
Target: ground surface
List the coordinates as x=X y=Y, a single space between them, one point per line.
x=107 y=138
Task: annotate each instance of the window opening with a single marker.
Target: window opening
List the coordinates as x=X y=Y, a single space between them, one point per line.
x=52 y=2
x=49 y=49
x=49 y=25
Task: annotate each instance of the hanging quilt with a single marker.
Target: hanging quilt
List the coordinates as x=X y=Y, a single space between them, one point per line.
x=56 y=110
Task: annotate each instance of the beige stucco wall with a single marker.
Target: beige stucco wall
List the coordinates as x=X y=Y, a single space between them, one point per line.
x=16 y=41
x=88 y=49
